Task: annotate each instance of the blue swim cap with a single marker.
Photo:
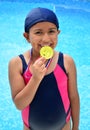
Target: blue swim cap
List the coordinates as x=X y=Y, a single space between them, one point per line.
x=40 y=15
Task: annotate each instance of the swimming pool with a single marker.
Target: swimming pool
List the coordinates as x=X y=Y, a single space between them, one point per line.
x=74 y=39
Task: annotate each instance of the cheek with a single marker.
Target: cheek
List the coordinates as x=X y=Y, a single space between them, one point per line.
x=55 y=38
x=34 y=39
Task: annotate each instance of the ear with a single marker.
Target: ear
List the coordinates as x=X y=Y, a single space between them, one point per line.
x=26 y=35
x=59 y=31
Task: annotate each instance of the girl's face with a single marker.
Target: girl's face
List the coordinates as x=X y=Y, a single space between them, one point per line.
x=43 y=34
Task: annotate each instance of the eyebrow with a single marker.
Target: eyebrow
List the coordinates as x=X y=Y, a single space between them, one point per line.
x=53 y=28
x=38 y=29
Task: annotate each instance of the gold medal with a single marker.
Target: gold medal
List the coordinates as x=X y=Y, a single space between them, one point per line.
x=46 y=52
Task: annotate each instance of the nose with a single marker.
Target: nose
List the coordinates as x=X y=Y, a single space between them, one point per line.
x=46 y=38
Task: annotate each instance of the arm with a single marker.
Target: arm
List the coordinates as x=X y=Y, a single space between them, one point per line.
x=23 y=94
x=73 y=92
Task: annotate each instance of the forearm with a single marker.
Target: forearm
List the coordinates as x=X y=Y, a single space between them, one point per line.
x=26 y=95
x=75 y=111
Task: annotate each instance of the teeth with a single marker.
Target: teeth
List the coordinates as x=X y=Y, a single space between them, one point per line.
x=44 y=45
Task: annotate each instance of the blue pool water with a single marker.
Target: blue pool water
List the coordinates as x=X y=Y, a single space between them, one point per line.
x=74 y=39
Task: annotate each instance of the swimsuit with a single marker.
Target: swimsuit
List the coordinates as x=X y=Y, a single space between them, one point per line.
x=50 y=108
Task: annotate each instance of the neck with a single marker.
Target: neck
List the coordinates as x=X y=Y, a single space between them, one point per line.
x=34 y=55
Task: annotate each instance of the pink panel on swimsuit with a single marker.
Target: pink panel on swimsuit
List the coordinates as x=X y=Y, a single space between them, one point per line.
x=25 y=114
x=68 y=116
x=61 y=78
x=27 y=75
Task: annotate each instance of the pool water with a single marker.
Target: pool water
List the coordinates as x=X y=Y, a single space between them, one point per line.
x=74 y=18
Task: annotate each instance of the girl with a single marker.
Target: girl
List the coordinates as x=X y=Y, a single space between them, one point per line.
x=45 y=90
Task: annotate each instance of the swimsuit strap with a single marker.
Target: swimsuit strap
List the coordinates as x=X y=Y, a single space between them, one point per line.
x=61 y=61
x=24 y=64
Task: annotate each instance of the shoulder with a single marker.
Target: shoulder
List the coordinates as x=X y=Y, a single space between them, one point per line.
x=69 y=63
x=15 y=64
x=16 y=61
x=68 y=59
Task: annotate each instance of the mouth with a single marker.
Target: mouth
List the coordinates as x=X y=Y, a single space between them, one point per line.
x=40 y=45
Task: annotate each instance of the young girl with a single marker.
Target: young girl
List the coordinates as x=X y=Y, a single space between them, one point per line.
x=45 y=90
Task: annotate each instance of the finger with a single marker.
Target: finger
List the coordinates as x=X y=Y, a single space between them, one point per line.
x=42 y=66
x=40 y=61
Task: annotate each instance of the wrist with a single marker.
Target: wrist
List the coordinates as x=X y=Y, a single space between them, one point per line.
x=36 y=80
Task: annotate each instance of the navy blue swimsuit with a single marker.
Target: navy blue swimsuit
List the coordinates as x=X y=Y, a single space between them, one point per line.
x=50 y=108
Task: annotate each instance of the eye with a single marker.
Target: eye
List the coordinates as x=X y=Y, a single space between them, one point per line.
x=38 y=32
x=52 y=31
